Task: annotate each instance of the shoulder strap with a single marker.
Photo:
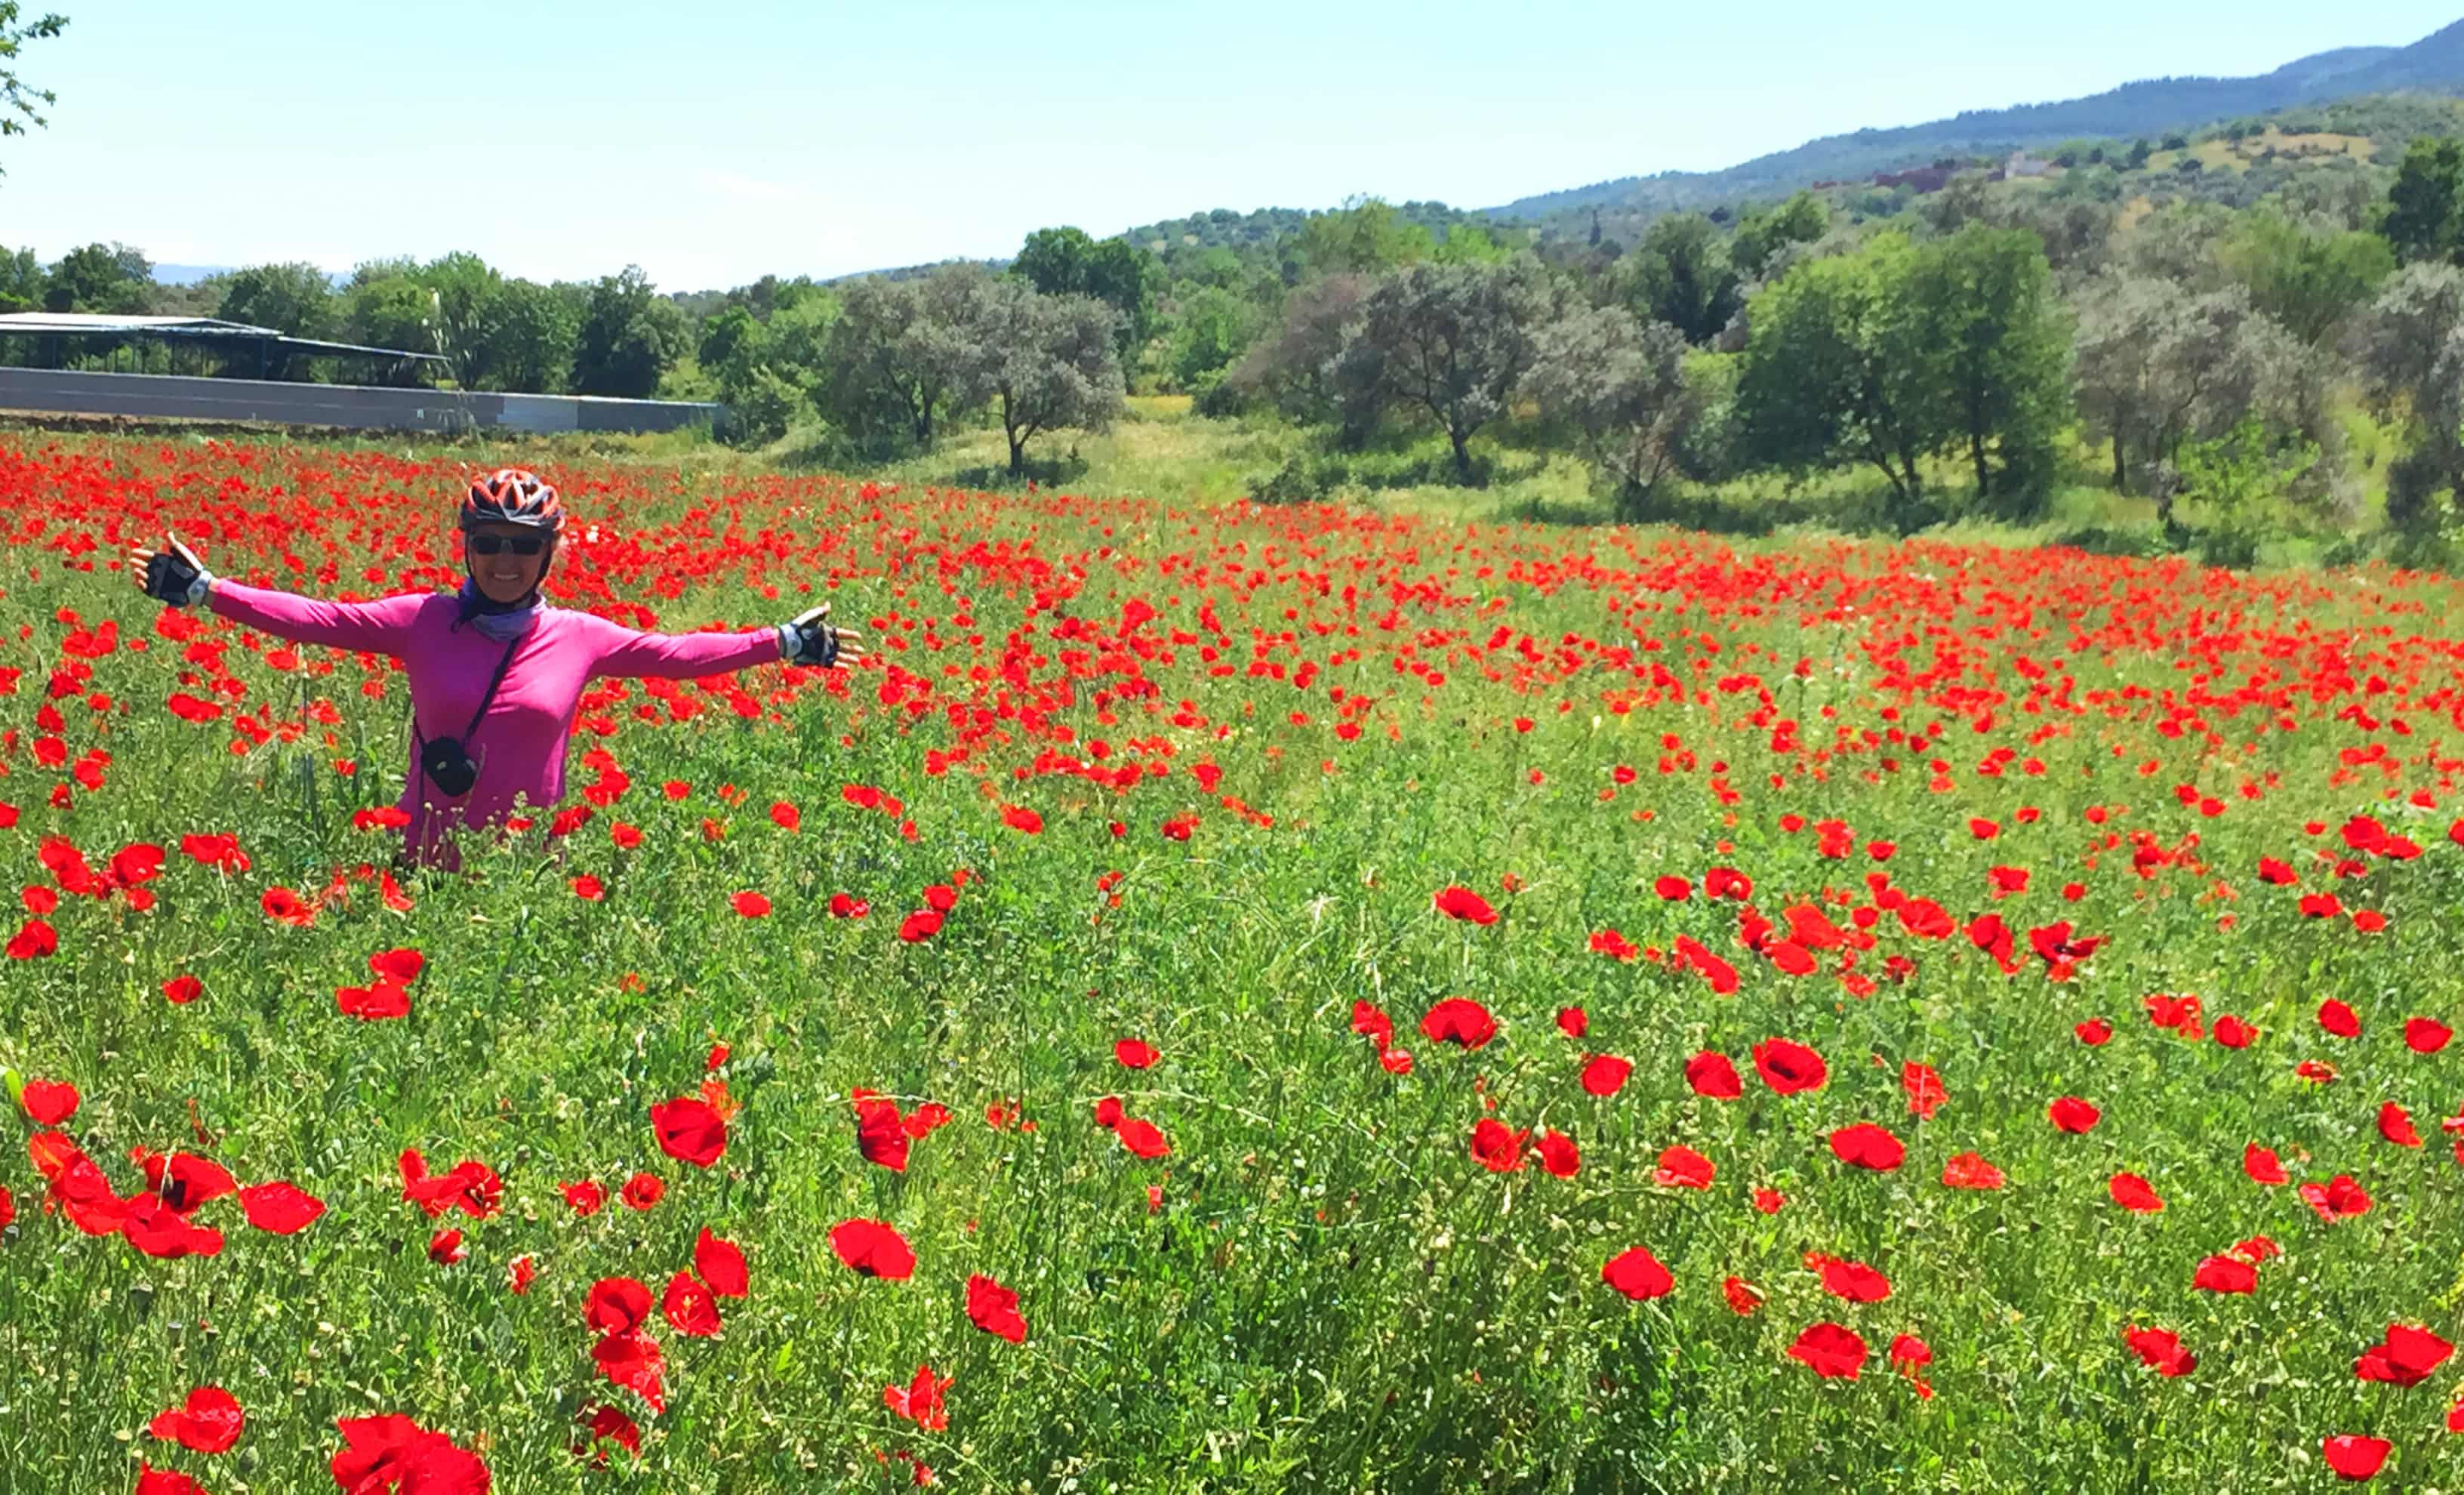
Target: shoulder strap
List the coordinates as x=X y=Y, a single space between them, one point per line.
x=489 y=697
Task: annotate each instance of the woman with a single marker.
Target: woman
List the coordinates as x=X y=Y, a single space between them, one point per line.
x=496 y=675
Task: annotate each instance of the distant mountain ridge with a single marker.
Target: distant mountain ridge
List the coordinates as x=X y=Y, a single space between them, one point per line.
x=2436 y=63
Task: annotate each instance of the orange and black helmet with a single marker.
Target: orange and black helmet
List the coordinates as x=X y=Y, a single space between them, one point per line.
x=512 y=496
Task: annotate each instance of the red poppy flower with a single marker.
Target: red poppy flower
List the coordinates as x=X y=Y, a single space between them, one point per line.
x=846 y=906
x=180 y=990
x=2072 y=1114
x=1971 y=1170
x=2094 y=1032
x=1135 y=1053
x=1573 y=1022
x=585 y=1198
x=1711 y=1075
x=2134 y=1194
x=920 y=1400
x=642 y=1191
x=920 y=925
x=1789 y=1067
x=749 y=904
x=209 y=1423
x=151 y=1481
x=519 y=1273
x=690 y=1130
x=2339 y=1018
x=1558 y=1154
x=688 y=1307
x=871 y=1248
x=633 y=1361
x=2396 y=1125
x=1767 y=1201
x=616 y=1305
x=1830 y=1350
x=157 y=1230
x=2225 y=1274
x=2336 y=1200
x=2161 y=1349
x=445 y=1247
x=1458 y=1021
x=385 y=1000
x=1019 y=818
x=1497 y=1147
x=1142 y=1137
x=1605 y=1075
x=1721 y=976
x=280 y=1208
x=722 y=1264
x=2262 y=1165
x=1865 y=1145
x=1925 y=1088
x=607 y=1424
x=49 y=1102
x=881 y=1134
x=2405 y=1357
x=2426 y=1035
x=2355 y=1456
x=2233 y=1033
x=1638 y=1274
x=1743 y=1296
x=8 y=1209
x=1683 y=1168
x=1673 y=888
x=1854 y=1281
x=1458 y=902
x=994 y=1308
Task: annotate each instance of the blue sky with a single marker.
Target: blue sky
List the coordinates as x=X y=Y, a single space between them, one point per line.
x=710 y=142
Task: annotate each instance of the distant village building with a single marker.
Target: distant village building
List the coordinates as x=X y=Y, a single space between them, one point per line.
x=2022 y=165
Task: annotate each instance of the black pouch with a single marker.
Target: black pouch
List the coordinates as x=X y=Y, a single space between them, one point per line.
x=445 y=761
x=447 y=767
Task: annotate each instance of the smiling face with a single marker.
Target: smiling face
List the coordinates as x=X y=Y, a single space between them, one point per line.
x=507 y=575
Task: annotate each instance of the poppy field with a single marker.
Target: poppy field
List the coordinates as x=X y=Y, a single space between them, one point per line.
x=1227 y=998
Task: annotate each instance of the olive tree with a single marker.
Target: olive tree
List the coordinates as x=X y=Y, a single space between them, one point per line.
x=1452 y=340
x=1041 y=362
x=1620 y=384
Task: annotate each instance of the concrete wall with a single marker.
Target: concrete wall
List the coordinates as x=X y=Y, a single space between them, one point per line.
x=172 y=398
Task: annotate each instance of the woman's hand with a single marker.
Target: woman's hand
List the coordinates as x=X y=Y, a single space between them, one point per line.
x=817 y=641
x=174 y=575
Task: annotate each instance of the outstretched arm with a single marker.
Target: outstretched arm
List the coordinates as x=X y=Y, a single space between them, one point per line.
x=682 y=656
x=176 y=576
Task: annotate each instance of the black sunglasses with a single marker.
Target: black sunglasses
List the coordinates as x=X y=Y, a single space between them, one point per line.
x=495 y=544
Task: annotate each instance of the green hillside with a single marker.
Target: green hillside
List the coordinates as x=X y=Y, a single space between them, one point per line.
x=2155 y=107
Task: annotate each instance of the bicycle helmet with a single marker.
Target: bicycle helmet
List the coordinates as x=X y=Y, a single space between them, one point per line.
x=512 y=496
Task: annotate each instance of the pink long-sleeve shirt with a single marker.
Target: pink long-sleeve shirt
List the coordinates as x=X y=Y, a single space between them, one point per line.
x=521 y=743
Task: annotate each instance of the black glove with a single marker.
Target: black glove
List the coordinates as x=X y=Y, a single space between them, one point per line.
x=176 y=576
x=808 y=639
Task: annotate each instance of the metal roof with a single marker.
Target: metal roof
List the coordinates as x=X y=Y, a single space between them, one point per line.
x=97 y=323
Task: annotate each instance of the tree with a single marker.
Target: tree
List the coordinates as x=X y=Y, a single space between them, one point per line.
x=1681 y=274
x=1997 y=340
x=530 y=335
x=1839 y=370
x=1067 y=262
x=295 y=299
x=114 y=280
x=18 y=100
x=1365 y=236
x=1213 y=328
x=902 y=355
x=1291 y=365
x=2309 y=280
x=629 y=335
x=2155 y=367
x=1622 y=385
x=2409 y=347
x=1042 y=361
x=723 y=334
x=1762 y=233
x=1452 y=340
x=21 y=281
x=2424 y=217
